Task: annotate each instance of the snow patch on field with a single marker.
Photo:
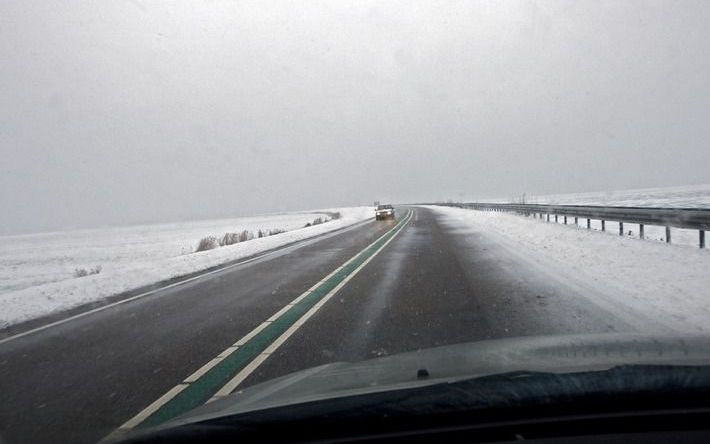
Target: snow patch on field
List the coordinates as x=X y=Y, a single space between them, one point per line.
x=692 y=196
x=37 y=271
x=667 y=284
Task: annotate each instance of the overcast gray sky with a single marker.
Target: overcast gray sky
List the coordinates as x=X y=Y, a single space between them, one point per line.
x=116 y=112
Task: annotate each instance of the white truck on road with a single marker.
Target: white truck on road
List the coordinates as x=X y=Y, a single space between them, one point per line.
x=383 y=212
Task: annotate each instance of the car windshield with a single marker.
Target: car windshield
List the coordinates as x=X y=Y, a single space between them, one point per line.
x=187 y=192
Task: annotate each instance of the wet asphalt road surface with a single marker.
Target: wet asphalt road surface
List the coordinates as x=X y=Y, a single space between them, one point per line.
x=432 y=285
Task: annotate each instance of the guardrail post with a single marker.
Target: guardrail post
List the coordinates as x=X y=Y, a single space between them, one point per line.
x=603 y=225
x=640 y=231
x=621 y=228
x=576 y=221
x=565 y=220
x=668 y=235
x=548 y=217
x=702 y=238
x=589 y=224
x=555 y=218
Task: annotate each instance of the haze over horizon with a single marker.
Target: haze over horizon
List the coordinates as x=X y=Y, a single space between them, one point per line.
x=134 y=112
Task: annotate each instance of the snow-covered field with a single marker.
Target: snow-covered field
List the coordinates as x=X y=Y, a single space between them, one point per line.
x=37 y=270
x=667 y=284
x=694 y=196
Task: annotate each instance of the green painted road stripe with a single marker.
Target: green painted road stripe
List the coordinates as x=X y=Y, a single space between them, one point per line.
x=200 y=391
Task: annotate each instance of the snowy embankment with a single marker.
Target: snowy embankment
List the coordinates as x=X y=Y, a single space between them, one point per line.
x=690 y=196
x=693 y=196
x=669 y=284
x=37 y=272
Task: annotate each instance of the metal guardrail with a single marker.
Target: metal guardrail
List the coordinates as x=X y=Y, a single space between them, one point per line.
x=690 y=218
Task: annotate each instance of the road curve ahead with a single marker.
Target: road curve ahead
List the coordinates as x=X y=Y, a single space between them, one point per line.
x=377 y=289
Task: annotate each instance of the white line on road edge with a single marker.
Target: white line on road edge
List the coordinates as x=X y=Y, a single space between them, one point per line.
x=278 y=250
x=251 y=366
x=154 y=406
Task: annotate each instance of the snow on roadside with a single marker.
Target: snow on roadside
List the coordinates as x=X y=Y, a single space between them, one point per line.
x=36 y=270
x=690 y=196
x=668 y=284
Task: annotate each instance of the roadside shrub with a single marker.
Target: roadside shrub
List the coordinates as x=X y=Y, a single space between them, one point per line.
x=211 y=242
x=335 y=215
x=81 y=272
x=207 y=243
x=229 y=239
x=318 y=220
